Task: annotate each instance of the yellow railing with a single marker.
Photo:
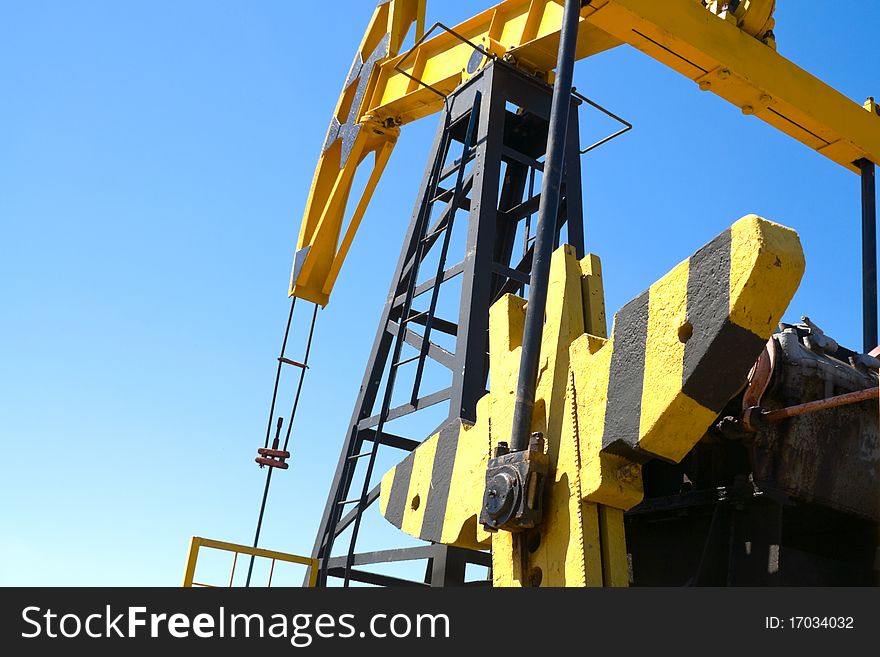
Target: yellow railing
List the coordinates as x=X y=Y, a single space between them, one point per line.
x=197 y=542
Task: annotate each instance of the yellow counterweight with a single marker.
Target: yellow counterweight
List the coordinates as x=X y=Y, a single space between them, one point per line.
x=677 y=353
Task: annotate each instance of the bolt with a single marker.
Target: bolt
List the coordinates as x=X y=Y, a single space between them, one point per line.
x=536 y=442
x=628 y=473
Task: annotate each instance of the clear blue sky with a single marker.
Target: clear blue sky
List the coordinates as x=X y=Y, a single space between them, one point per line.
x=155 y=159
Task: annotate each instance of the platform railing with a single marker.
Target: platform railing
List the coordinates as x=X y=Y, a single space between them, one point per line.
x=197 y=543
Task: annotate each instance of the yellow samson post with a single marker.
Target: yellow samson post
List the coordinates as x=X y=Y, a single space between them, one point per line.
x=605 y=405
x=728 y=52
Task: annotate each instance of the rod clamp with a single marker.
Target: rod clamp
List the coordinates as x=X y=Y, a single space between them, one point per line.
x=513 y=497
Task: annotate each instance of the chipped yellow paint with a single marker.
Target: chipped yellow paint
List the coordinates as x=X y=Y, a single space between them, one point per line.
x=677 y=428
x=385 y=489
x=592 y=544
x=664 y=353
x=506 y=550
x=561 y=555
x=558 y=556
x=594 y=297
x=460 y=526
x=615 y=567
x=601 y=478
x=669 y=418
x=766 y=264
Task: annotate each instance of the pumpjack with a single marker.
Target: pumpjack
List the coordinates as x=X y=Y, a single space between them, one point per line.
x=699 y=441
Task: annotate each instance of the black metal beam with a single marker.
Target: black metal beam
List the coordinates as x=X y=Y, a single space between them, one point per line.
x=438 y=324
x=349 y=517
x=551 y=185
x=446 y=194
x=520 y=277
x=370 y=578
x=516 y=156
x=454 y=167
x=386 y=556
x=435 y=351
x=390 y=439
x=869 y=255
x=524 y=209
x=453 y=271
x=406 y=409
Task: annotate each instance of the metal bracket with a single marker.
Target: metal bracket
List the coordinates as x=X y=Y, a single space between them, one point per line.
x=513 y=498
x=627 y=126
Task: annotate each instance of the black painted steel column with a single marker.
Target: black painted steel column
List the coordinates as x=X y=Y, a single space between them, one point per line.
x=869 y=256
x=546 y=230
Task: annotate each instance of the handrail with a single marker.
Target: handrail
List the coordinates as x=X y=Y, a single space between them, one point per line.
x=197 y=542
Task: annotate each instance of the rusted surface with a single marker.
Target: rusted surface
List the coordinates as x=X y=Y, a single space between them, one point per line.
x=295 y=363
x=760 y=376
x=272 y=463
x=277 y=453
x=832 y=457
x=821 y=405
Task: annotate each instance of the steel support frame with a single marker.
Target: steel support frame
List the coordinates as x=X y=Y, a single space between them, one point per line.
x=869 y=255
x=490 y=268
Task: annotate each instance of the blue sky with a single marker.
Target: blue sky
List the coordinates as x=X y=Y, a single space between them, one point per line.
x=155 y=159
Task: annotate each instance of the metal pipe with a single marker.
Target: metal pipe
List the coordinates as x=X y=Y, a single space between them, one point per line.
x=820 y=405
x=278 y=371
x=545 y=232
x=869 y=255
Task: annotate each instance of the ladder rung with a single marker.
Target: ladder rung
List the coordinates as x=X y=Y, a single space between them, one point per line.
x=408 y=360
x=351 y=501
x=412 y=317
x=295 y=363
x=443 y=192
x=357 y=456
x=436 y=232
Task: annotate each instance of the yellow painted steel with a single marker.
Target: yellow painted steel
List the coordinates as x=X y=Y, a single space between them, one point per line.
x=655 y=395
x=351 y=138
x=729 y=54
x=197 y=542
x=723 y=59
x=569 y=547
x=417 y=496
x=459 y=526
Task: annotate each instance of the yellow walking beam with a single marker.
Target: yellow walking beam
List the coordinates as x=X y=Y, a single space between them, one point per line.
x=728 y=54
x=723 y=59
